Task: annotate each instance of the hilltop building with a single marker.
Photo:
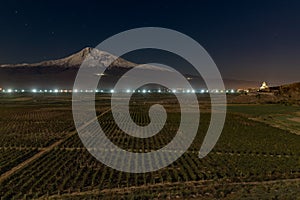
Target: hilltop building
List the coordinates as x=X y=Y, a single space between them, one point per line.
x=264 y=87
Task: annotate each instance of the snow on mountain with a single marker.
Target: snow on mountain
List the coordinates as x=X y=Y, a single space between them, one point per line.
x=62 y=72
x=92 y=56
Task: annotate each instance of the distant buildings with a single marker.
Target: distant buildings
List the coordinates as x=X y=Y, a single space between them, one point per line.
x=263 y=88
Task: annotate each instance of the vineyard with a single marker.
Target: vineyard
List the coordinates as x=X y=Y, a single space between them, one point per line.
x=33 y=127
x=247 y=152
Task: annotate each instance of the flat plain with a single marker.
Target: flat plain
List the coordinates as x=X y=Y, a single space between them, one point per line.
x=42 y=156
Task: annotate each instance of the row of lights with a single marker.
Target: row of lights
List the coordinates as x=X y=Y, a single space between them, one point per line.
x=113 y=91
x=35 y=91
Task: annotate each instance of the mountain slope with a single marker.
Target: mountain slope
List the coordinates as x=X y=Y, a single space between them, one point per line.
x=61 y=73
x=291 y=91
x=93 y=56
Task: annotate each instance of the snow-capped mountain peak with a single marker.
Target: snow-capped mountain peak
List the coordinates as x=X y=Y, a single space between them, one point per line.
x=93 y=57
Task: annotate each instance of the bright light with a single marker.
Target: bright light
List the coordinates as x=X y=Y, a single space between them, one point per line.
x=159 y=91
x=101 y=90
x=144 y=91
x=75 y=90
x=102 y=74
x=232 y=91
x=50 y=91
x=174 y=91
x=22 y=90
x=9 y=90
x=149 y=91
x=193 y=91
x=202 y=91
x=96 y=91
x=56 y=90
x=112 y=91
x=46 y=90
x=128 y=91
x=188 y=91
x=34 y=90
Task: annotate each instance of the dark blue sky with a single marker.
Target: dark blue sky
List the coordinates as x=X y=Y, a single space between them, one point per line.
x=250 y=40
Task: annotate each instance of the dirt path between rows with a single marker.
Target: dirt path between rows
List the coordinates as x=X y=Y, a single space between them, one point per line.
x=45 y=150
x=149 y=150
x=36 y=156
x=187 y=183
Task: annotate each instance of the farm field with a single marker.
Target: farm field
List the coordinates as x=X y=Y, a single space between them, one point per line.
x=276 y=115
x=42 y=156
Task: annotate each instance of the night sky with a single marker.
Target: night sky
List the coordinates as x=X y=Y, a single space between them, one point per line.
x=248 y=40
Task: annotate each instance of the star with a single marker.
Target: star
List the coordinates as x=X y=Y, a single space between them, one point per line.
x=16 y=12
